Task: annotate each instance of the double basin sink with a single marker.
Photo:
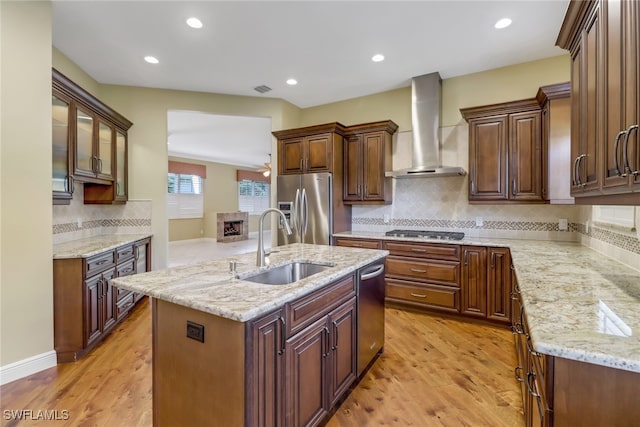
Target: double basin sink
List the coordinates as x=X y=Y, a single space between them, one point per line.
x=287 y=273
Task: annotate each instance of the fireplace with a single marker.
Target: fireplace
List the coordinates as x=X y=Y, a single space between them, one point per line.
x=232 y=226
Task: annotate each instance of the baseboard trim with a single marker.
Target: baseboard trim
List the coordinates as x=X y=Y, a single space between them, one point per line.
x=24 y=368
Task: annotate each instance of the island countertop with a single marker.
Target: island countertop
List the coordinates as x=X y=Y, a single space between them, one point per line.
x=211 y=287
x=580 y=304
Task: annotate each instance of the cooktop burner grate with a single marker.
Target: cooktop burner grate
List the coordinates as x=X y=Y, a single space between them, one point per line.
x=427 y=234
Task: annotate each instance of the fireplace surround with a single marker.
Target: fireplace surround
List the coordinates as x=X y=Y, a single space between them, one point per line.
x=232 y=226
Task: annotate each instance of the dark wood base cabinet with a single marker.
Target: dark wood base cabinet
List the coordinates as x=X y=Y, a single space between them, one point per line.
x=290 y=367
x=85 y=305
x=565 y=393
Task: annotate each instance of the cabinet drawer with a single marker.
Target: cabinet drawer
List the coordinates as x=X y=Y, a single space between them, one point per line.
x=428 y=296
x=359 y=243
x=306 y=310
x=432 y=271
x=126 y=269
x=98 y=263
x=124 y=253
x=424 y=250
x=124 y=305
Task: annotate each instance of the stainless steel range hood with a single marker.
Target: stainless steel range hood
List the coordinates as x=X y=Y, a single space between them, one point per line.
x=425 y=118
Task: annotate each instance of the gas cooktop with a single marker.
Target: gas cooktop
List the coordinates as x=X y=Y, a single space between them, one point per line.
x=427 y=234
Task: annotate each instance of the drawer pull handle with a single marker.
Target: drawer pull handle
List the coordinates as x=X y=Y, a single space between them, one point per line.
x=102 y=261
x=417 y=270
x=356 y=245
x=418 y=295
x=418 y=250
x=516 y=372
x=529 y=386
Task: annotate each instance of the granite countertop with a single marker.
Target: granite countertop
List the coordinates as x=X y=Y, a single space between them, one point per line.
x=579 y=303
x=84 y=248
x=210 y=287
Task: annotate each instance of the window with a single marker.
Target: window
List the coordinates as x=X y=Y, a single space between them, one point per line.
x=184 y=196
x=253 y=196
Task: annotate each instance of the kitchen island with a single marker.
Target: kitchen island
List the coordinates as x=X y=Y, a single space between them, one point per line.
x=228 y=351
x=575 y=317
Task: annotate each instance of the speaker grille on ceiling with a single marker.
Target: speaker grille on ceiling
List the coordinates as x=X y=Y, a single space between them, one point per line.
x=262 y=88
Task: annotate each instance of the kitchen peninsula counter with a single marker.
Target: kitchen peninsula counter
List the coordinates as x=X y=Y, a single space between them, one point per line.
x=210 y=287
x=580 y=304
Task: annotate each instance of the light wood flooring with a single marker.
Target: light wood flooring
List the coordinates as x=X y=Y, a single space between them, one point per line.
x=435 y=371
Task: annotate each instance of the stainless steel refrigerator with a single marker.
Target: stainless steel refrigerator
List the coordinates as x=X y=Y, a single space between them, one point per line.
x=307 y=202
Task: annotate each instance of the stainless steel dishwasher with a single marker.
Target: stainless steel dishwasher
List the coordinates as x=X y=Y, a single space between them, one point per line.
x=370 y=313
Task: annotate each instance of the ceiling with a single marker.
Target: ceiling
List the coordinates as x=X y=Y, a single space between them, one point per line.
x=325 y=45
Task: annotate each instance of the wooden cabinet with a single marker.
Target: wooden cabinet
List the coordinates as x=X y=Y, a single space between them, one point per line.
x=422 y=275
x=96 y=138
x=505 y=153
x=310 y=149
x=86 y=306
x=367 y=156
x=302 y=357
x=603 y=39
x=486 y=283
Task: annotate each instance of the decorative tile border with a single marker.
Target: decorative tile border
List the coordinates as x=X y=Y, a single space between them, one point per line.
x=624 y=241
x=465 y=224
x=72 y=227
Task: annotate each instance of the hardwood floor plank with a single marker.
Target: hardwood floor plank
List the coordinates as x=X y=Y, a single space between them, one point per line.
x=435 y=371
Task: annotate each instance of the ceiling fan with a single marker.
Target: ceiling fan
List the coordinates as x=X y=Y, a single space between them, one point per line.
x=266 y=169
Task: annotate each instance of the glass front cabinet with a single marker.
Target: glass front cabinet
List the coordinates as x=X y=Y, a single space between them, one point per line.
x=89 y=145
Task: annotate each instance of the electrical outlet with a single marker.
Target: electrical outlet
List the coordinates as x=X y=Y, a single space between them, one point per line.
x=195 y=331
x=79 y=222
x=563 y=224
x=385 y=218
x=479 y=221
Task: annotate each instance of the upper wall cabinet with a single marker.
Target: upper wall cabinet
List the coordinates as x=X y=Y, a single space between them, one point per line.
x=367 y=156
x=89 y=145
x=505 y=153
x=310 y=149
x=603 y=38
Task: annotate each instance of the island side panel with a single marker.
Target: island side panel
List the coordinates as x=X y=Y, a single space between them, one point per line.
x=196 y=383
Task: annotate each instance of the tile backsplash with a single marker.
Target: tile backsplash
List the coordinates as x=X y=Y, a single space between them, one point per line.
x=441 y=204
x=77 y=220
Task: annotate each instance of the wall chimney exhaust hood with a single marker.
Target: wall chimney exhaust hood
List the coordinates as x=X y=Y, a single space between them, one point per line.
x=425 y=119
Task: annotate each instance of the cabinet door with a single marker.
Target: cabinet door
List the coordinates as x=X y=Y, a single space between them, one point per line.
x=499 y=285
x=267 y=371
x=587 y=162
x=84 y=164
x=306 y=384
x=108 y=300
x=525 y=152
x=121 y=167
x=93 y=308
x=352 y=168
x=104 y=151
x=488 y=159
x=632 y=87
x=291 y=156
x=373 y=166
x=474 y=281
x=62 y=183
x=342 y=326
x=319 y=153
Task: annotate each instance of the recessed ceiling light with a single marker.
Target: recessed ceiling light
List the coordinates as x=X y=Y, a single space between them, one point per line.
x=194 y=23
x=292 y=82
x=151 y=59
x=503 y=23
x=377 y=58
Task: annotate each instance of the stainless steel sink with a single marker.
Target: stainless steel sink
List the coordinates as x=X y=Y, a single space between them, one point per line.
x=287 y=273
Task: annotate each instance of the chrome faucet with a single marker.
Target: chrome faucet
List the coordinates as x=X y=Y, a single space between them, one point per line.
x=261 y=255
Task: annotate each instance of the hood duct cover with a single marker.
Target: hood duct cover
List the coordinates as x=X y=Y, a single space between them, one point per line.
x=425 y=119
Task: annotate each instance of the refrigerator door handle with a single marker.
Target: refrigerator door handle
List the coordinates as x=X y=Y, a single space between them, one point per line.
x=294 y=214
x=305 y=215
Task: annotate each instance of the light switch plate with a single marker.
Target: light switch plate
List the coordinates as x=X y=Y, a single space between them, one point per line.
x=479 y=221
